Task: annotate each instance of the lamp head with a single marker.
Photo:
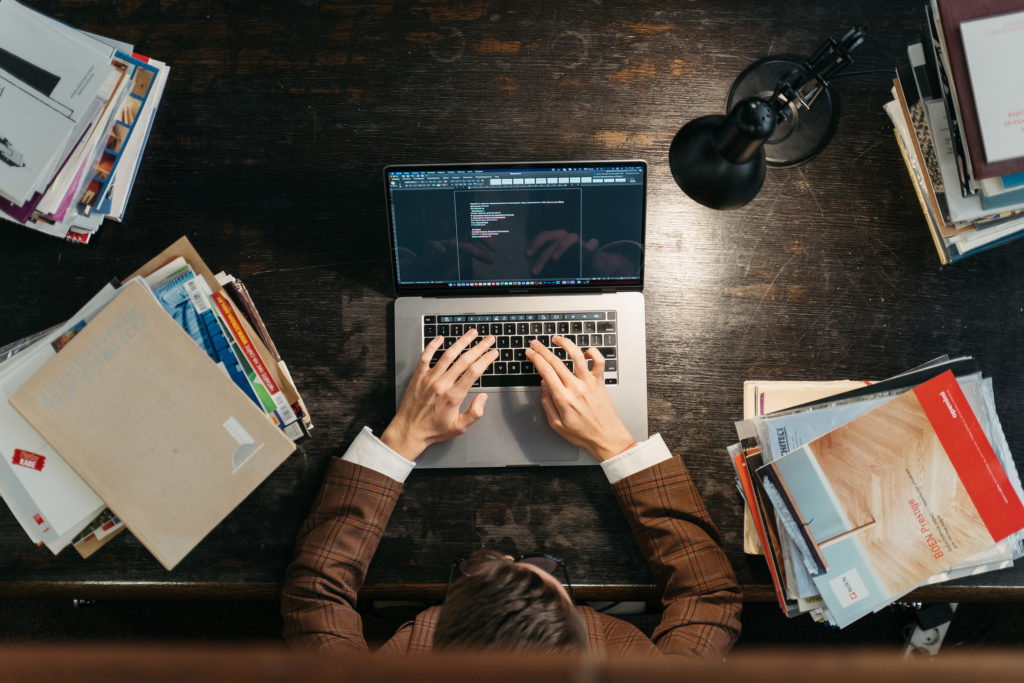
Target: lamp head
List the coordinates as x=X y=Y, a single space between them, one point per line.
x=719 y=161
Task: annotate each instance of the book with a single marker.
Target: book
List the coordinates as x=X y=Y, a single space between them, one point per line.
x=990 y=46
x=950 y=15
x=151 y=424
x=906 y=490
x=183 y=248
x=76 y=110
x=51 y=82
x=51 y=502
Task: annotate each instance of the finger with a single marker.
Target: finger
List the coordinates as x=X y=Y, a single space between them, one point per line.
x=598 y=369
x=578 y=361
x=473 y=372
x=536 y=242
x=551 y=411
x=556 y=371
x=473 y=355
x=473 y=413
x=480 y=253
x=564 y=244
x=543 y=259
x=428 y=352
x=449 y=356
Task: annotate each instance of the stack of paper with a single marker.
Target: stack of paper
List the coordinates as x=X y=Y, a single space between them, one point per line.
x=157 y=406
x=961 y=129
x=861 y=497
x=75 y=113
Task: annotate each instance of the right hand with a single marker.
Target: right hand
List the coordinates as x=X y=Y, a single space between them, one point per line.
x=577 y=404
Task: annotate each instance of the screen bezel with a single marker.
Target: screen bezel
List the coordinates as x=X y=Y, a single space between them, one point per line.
x=635 y=284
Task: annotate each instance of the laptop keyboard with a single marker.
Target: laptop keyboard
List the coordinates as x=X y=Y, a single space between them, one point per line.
x=513 y=333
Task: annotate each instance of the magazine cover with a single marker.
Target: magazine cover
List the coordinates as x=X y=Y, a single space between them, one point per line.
x=894 y=496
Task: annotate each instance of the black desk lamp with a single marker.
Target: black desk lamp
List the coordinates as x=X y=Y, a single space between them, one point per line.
x=720 y=161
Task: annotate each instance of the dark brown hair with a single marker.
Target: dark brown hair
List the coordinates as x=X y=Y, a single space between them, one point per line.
x=507 y=607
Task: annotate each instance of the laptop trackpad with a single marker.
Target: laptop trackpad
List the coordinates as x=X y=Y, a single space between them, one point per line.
x=514 y=430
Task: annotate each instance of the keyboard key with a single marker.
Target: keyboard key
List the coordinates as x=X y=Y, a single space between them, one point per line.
x=569 y=365
x=607 y=352
x=536 y=328
x=428 y=320
x=496 y=329
x=609 y=339
x=519 y=354
x=444 y=330
x=606 y=326
x=563 y=328
x=456 y=330
x=571 y=337
x=503 y=342
x=610 y=380
x=544 y=340
x=513 y=368
x=583 y=341
x=429 y=330
x=517 y=342
x=611 y=365
x=559 y=352
x=589 y=327
x=522 y=328
x=527 y=367
x=510 y=329
x=596 y=339
x=500 y=367
x=549 y=328
x=506 y=354
x=510 y=381
x=576 y=327
x=611 y=315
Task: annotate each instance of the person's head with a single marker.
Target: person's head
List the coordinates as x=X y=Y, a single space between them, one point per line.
x=498 y=603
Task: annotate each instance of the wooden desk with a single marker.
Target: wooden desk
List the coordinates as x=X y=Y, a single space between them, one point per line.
x=267 y=152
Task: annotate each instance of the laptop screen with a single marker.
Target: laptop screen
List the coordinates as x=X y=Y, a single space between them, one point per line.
x=522 y=226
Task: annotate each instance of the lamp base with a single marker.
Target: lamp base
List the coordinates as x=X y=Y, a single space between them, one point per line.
x=801 y=137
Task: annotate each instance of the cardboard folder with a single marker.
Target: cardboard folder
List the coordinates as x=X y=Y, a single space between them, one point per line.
x=152 y=425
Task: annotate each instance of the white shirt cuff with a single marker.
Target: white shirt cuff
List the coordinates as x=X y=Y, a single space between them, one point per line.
x=645 y=454
x=369 y=451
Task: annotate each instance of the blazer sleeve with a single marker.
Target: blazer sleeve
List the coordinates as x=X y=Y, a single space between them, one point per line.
x=701 y=600
x=332 y=553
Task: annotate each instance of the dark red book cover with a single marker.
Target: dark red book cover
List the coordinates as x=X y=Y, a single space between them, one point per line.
x=952 y=13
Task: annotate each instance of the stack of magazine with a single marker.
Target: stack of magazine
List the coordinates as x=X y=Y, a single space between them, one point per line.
x=860 y=497
x=116 y=417
x=960 y=124
x=75 y=114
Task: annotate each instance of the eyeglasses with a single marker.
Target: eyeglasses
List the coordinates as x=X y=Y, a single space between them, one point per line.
x=473 y=565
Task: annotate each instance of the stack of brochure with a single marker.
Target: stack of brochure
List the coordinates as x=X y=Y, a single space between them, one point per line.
x=187 y=362
x=960 y=124
x=860 y=497
x=75 y=113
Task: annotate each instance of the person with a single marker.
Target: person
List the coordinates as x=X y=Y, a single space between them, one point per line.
x=497 y=602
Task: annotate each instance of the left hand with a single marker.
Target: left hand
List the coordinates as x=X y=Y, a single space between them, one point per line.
x=430 y=409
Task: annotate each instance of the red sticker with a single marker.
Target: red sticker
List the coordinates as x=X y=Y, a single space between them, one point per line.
x=28 y=459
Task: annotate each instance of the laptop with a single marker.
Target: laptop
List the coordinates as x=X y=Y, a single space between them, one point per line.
x=522 y=251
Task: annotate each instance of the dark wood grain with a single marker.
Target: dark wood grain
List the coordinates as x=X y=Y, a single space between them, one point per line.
x=267 y=151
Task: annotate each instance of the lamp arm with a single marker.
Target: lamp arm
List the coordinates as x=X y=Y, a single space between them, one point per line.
x=803 y=86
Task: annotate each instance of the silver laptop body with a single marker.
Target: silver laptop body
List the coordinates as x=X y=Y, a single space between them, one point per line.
x=528 y=249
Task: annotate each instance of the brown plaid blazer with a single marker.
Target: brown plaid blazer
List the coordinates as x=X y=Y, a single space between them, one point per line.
x=701 y=599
